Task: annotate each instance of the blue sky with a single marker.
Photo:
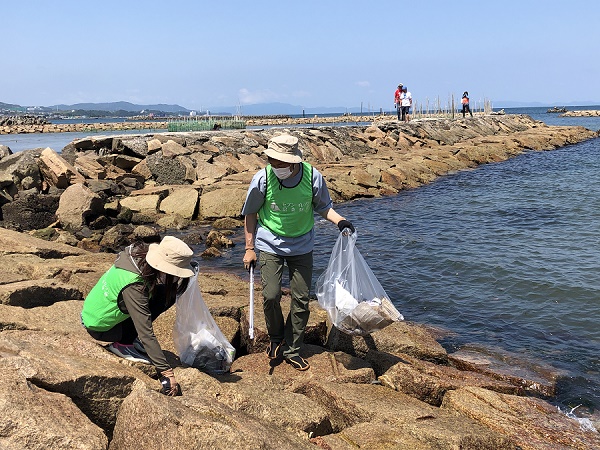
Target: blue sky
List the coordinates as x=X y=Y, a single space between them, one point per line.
x=308 y=53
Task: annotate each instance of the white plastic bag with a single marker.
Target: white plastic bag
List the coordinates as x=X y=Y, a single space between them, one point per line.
x=198 y=340
x=351 y=294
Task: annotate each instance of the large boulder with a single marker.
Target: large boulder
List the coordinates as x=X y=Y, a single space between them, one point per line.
x=57 y=171
x=77 y=205
x=183 y=202
x=30 y=211
x=198 y=422
x=22 y=167
x=399 y=337
x=530 y=422
x=133 y=146
x=166 y=170
x=398 y=421
x=5 y=151
x=226 y=202
x=35 y=418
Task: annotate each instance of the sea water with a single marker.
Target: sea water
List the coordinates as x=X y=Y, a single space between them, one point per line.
x=506 y=256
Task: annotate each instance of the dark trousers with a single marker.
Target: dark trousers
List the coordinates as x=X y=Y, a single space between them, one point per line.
x=465 y=109
x=125 y=332
x=300 y=273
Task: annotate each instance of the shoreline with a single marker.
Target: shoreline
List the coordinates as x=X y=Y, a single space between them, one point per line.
x=405 y=360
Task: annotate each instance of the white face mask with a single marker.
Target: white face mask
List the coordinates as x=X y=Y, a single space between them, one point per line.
x=283 y=173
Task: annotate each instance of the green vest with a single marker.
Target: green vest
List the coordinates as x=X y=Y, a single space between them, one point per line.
x=288 y=211
x=100 y=309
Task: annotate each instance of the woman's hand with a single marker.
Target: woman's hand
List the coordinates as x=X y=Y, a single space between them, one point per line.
x=170 y=386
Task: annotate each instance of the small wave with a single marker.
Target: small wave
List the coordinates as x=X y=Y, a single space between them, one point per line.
x=584 y=423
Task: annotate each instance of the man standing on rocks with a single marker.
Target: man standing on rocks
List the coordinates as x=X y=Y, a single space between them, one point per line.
x=279 y=222
x=397 y=103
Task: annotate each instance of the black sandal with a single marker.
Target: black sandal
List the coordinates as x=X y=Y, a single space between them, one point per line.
x=298 y=363
x=273 y=349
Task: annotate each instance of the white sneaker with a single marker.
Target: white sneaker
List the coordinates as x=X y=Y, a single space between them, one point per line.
x=128 y=352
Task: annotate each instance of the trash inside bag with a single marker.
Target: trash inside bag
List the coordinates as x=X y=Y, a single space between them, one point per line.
x=351 y=294
x=198 y=339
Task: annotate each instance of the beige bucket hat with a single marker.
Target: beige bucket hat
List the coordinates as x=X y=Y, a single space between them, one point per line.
x=284 y=148
x=172 y=256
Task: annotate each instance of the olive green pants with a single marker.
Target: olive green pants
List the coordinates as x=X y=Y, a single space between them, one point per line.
x=300 y=274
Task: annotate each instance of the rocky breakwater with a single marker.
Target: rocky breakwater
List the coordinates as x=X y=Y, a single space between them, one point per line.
x=583 y=113
x=397 y=388
x=100 y=192
x=23 y=125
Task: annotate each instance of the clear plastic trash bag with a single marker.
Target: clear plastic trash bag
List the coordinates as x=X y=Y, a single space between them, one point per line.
x=351 y=294
x=198 y=339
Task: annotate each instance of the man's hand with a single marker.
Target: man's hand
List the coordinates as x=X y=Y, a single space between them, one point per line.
x=342 y=224
x=249 y=258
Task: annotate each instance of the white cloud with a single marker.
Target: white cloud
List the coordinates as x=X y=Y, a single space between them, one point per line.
x=248 y=97
x=363 y=84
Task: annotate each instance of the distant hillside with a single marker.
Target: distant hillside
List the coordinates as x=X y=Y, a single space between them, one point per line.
x=10 y=107
x=120 y=106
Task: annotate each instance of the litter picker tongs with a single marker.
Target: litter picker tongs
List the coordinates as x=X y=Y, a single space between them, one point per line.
x=251 y=314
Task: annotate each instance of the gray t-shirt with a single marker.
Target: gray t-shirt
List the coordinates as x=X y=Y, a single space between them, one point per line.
x=265 y=241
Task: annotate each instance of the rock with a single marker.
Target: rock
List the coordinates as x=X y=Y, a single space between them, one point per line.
x=208 y=424
x=117 y=238
x=262 y=397
x=428 y=381
x=183 y=202
x=218 y=240
x=31 y=293
x=154 y=145
x=173 y=222
x=146 y=233
x=396 y=418
x=141 y=203
x=30 y=211
x=134 y=146
x=36 y=418
x=170 y=149
x=94 y=379
x=77 y=204
x=22 y=165
x=532 y=423
x=12 y=242
x=89 y=167
x=207 y=173
x=399 y=337
x=534 y=378
x=5 y=151
x=211 y=252
x=222 y=203
x=165 y=170
x=227 y=223
x=57 y=171
x=331 y=366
